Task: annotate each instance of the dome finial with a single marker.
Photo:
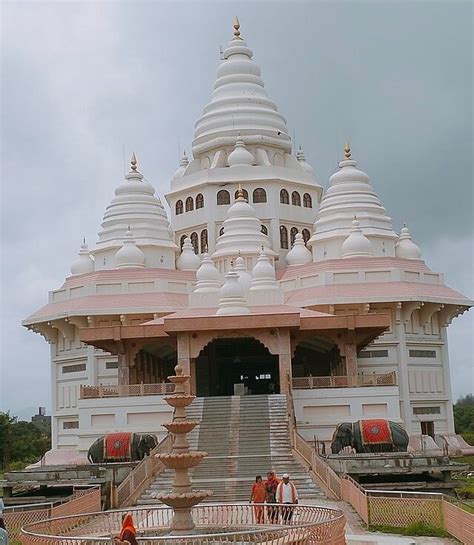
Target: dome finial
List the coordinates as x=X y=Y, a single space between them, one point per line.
x=240 y=193
x=347 y=151
x=133 y=162
x=237 y=28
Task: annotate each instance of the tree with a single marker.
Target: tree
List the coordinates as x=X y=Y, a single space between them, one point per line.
x=464 y=416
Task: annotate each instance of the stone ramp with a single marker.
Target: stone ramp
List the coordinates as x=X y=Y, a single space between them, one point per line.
x=244 y=437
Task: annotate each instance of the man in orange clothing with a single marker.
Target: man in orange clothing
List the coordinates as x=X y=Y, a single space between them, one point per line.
x=258 y=496
x=128 y=532
x=271 y=485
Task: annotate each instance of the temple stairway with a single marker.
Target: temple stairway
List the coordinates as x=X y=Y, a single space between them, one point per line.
x=244 y=436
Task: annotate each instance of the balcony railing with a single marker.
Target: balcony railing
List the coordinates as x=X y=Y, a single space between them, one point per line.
x=361 y=380
x=127 y=390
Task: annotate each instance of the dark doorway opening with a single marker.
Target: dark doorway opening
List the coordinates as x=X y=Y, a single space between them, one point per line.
x=427 y=428
x=236 y=366
x=317 y=357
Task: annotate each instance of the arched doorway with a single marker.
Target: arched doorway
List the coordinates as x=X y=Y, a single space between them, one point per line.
x=230 y=366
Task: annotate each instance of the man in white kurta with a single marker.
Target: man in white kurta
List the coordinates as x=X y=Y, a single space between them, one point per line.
x=286 y=495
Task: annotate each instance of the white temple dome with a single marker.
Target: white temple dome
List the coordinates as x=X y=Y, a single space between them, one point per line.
x=263 y=273
x=188 y=260
x=207 y=276
x=84 y=263
x=239 y=105
x=300 y=156
x=231 y=296
x=245 y=278
x=129 y=254
x=183 y=164
x=356 y=244
x=240 y=156
x=299 y=254
x=405 y=247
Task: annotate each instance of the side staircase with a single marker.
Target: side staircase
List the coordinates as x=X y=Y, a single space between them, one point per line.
x=244 y=437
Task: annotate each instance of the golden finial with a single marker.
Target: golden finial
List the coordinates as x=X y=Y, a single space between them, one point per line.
x=237 y=28
x=133 y=162
x=347 y=151
x=240 y=192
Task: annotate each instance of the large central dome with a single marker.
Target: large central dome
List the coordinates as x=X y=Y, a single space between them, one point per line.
x=239 y=105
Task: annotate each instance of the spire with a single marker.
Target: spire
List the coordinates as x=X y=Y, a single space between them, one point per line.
x=300 y=156
x=347 y=152
x=83 y=263
x=183 y=164
x=240 y=156
x=237 y=28
x=188 y=260
x=231 y=296
x=405 y=247
x=240 y=194
x=299 y=254
x=129 y=254
x=265 y=289
x=245 y=278
x=133 y=162
x=356 y=244
x=207 y=276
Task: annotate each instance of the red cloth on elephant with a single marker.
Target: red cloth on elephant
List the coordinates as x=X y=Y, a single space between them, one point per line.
x=375 y=431
x=118 y=447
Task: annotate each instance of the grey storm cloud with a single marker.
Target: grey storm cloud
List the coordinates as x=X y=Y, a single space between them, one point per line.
x=86 y=83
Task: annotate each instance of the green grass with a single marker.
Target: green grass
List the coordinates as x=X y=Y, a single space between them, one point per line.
x=415 y=529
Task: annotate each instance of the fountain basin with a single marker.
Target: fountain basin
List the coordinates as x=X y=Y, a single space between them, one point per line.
x=184 y=500
x=181 y=427
x=179 y=400
x=181 y=461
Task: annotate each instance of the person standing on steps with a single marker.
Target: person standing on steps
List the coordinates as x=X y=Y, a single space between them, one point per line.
x=271 y=485
x=286 y=496
x=258 y=496
x=128 y=532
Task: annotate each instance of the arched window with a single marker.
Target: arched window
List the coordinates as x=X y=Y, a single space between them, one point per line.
x=283 y=237
x=307 y=201
x=245 y=192
x=259 y=195
x=264 y=230
x=293 y=233
x=199 y=201
x=189 y=204
x=181 y=241
x=179 y=207
x=203 y=240
x=223 y=197
x=306 y=235
x=221 y=231
x=295 y=198
x=284 y=197
x=195 y=242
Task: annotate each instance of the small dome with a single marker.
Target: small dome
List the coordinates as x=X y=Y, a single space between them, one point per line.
x=240 y=156
x=245 y=278
x=207 y=276
x=300 y=156
x=405 y=247
x=356 y=244
x=299 y=254
x=263 y=274
x=183 y=163
x=188 y=260
x=231 y=296
x=84 y=263
x=129 y=254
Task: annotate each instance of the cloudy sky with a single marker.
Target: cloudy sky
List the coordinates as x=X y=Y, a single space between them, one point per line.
x=82 y=82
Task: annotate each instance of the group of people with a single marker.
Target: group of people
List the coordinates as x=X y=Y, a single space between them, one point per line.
x=278 y=497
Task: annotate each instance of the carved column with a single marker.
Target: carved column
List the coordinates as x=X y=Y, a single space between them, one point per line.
x=350 y=350
x=184 y=359
x=284 y=360
x=123 y=370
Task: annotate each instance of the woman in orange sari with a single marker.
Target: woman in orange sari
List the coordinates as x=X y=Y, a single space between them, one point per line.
x=128 y=532
x=257 y=496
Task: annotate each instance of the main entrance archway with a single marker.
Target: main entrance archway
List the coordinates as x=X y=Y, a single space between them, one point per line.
x=236 y=365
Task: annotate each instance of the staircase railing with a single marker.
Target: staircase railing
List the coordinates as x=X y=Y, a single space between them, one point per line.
x=318 y=468
x=131 y=488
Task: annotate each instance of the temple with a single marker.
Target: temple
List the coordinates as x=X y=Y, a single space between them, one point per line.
x=257 y=283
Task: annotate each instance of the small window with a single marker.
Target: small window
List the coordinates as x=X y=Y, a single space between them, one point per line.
x=204 y=241
x=259 y=195
x=111 y=364
x=426 y=410
x=283 y=237
x=307 y=201
x=264 y=229
x=74 y=368
x=223 y=197
x=245 y=192
x=71 y=425
x=295 y=198
x=179 y=207
x=189 y=204
x=195 y=242
x=199 y=201
x=181 y=241
x=422 y=353
x=293 y=233
x=284 y=197
x=221 y=231
x=306 y=235
x=373 y=354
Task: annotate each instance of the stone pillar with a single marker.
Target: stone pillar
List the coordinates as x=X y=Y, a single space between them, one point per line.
x=284 y=360
x=403 y=381
x=184 y=358
x=123 y=370
x=350 y=350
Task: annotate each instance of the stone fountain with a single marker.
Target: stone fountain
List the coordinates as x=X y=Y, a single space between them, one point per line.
x=182 y=498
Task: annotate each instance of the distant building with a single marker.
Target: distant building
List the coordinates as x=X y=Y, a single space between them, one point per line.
x=41 y=420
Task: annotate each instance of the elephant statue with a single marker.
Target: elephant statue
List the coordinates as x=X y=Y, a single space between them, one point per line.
x=121 y=447
x=373 y=435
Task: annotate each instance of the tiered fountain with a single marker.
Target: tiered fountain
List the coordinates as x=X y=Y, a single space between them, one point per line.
x=182 y=498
